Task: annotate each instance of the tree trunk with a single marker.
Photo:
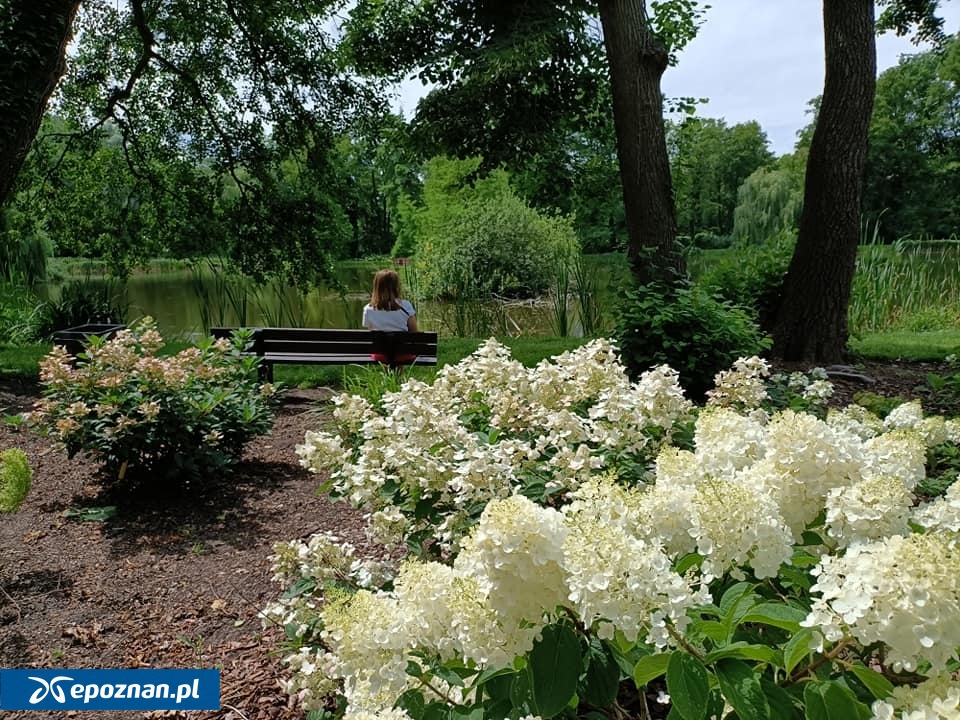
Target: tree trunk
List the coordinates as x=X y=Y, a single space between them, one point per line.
x=812 y=321
x=33 y=43
x=637 y=61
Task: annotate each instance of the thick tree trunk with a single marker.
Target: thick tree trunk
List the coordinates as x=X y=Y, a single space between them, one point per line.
x=637 y=61
x=812 y=321
x=33 y=43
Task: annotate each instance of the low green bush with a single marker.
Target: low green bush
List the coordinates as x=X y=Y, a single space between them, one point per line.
x=15 y=479
x=687 y=329
x=752 y=278
x=175 y=417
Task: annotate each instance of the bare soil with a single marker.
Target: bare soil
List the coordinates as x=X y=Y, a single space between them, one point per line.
x=176 y=577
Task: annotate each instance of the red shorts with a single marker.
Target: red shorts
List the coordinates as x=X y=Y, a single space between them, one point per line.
x=397 y=360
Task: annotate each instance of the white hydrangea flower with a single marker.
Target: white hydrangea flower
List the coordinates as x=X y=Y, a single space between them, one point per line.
x=369 y=639
x=727 y=441
x=313 y=677
x=901 y=591
x=805 y=459
x=384 y=714
x=869 y=510
x=735 y=525
x=899 y=453
x=855 y=420
x=617 y=582
x=909 y=416
x=942 y=515
x=742 y=386
x=937 y=698
x=516 y=553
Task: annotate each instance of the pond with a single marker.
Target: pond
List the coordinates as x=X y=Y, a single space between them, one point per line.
x=187 y=303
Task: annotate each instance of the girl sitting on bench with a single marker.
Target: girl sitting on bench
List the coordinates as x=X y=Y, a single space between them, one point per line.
x=387 y=311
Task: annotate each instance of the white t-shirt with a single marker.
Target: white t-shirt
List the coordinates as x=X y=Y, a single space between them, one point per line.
x=388 y=320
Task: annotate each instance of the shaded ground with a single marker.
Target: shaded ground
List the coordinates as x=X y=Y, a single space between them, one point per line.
x=178 y=581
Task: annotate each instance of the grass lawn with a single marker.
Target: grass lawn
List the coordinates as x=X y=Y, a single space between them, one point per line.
x=21 y=362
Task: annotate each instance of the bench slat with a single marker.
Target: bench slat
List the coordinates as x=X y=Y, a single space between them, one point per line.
x=333 y=346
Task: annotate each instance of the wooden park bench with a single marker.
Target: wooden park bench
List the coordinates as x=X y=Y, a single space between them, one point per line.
x=315 y=346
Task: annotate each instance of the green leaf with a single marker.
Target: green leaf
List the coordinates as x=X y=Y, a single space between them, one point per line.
x=741 y=688
x=781 y=706
x=742 y=651
x=688 y=561
x=602 y=679
x=735 y=603
x=776 y=614
x=713 y=630
x=412 y=703
x=688 y=685
x=796 y=649
x=650 y=667
x=833 y=701
x=876 y=683
x=554 y=668
x=91 y=514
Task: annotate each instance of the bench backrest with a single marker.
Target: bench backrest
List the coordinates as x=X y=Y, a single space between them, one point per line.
x=309 y=341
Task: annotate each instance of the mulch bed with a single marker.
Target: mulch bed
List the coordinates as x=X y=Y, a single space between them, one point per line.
x=176 y=579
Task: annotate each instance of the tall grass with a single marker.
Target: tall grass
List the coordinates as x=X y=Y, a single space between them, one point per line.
x=560 y=301
x=906 y=286
x=222 y=294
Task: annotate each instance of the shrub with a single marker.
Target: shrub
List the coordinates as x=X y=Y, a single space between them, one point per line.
x=15 y=479
x=163 y=417
x=82 y=302
x=777 y=568
x=685 y=328
x=477 y=238
x=752 y=278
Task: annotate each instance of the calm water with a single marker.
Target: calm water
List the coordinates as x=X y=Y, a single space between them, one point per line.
x=186 y=306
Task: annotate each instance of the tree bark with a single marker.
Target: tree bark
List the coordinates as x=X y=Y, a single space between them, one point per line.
x=637 y=60
x=812 y=321
x=33 y=44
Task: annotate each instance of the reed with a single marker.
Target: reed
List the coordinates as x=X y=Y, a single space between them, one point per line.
x=560 y=301
x=906 y=286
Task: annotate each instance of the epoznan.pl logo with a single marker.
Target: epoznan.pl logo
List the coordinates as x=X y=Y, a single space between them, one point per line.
x=110 y=690
x=49 y=687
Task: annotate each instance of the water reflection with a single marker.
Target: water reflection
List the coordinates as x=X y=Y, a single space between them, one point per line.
x=185 y=306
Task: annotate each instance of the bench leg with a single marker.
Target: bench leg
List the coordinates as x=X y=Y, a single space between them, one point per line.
x=265 y=371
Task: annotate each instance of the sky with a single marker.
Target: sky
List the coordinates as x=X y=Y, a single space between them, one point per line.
x=763 y=60
x=757 y=60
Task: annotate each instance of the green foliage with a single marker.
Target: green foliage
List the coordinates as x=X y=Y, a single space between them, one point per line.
x=905 y=285
x=150 y=417
x=22 y=314
x=82 y=302
x=911 y=177
x=768 y=205
x=15 y=479
x=943 y=469
x=687 y=329
x=709 y=161
x=24 y=247
x=752 y=277
x=480 y=239
x=942 y=391
x=879 y=405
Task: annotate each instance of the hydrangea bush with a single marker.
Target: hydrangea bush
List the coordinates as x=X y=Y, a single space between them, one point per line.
x=136 y=412
x=767 y=562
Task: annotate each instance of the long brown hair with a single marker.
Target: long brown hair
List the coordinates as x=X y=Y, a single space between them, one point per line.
x=386 y=290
